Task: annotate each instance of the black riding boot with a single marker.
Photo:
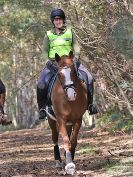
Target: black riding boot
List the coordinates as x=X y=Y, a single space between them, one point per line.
x=91 y=108
x=41 y=100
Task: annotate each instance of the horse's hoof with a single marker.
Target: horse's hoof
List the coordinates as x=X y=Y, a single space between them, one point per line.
x=70 y=168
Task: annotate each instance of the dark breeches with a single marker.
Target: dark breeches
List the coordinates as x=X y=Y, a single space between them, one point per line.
x=47 y=73
x=43 y=83
x=85 y=74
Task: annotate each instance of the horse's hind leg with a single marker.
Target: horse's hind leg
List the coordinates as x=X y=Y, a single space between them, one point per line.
x=55 y=135
x=69 y=131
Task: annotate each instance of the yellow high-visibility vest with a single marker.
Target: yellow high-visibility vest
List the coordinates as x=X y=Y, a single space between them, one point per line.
x=60 y=44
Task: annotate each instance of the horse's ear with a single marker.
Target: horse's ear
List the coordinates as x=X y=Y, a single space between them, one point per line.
x=57 y=57
x=71 y=54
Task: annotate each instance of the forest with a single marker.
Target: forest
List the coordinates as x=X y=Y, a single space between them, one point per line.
x=104 y=30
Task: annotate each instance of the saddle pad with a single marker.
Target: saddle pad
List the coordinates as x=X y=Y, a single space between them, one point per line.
x=50 y=87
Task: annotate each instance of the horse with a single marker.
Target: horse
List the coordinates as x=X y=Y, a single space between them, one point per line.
x=69 y=102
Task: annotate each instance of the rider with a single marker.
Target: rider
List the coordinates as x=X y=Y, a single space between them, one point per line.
x=3 y=116
x=61 y=40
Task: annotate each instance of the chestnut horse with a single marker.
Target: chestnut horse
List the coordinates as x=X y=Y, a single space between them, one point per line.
x=69 y=101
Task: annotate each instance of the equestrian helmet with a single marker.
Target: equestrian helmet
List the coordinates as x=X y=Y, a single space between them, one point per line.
x=57 y=12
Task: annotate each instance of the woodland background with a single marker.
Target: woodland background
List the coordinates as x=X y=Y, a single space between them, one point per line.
x=104 y=29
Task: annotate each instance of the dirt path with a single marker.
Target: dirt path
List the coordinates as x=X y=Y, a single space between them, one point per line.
x=29 y=153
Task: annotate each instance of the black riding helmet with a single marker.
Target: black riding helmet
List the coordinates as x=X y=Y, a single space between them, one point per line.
x=57 y=12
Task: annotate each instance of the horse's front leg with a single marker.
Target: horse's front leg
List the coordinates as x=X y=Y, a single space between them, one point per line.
x=55 y=135
x=70 y=166
x=74 y=137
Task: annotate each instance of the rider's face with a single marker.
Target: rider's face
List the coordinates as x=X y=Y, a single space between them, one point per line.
x=58 y=22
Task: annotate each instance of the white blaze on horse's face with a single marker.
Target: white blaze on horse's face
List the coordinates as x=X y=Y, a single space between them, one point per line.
x=70 y=91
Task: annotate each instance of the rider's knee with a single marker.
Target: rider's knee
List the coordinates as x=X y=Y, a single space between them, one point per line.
x=90 y=79
x=40 y=85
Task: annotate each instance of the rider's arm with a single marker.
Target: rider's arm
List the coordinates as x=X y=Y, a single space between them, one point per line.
x=45 y=48
x=76 y=47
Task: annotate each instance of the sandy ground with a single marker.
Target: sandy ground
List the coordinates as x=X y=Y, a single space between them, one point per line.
x=29 y=153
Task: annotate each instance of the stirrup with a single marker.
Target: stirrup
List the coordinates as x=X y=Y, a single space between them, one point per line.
x=42 y=114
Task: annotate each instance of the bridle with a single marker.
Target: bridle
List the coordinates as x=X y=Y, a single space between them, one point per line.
x=66 y=87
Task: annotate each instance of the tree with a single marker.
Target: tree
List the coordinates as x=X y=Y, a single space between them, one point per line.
x=96 y=25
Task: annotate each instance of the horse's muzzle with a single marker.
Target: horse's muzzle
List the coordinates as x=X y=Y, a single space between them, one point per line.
x=71 y=94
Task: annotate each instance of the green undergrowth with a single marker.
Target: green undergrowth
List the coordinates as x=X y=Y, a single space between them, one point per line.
x=114 y=120
x=86 y=149
x=124 y=167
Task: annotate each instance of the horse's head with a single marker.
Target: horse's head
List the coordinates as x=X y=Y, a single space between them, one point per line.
x=67 y=75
